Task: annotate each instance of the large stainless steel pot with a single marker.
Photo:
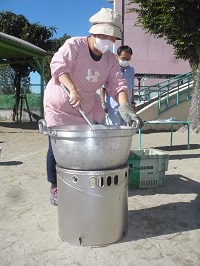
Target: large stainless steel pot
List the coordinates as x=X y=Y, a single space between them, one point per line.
x=81 y=148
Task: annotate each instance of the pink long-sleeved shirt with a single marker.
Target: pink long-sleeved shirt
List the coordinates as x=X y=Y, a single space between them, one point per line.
x=88 y=76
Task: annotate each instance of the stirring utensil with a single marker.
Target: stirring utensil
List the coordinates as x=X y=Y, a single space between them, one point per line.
x=79 y=109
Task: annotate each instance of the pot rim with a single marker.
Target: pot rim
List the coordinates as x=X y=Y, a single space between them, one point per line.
x=84 y=131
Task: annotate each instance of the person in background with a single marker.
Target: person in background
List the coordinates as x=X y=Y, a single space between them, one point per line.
x=83 y=65
x=113 y=116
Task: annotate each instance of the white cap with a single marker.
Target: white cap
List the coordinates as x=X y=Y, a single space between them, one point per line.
x=107 y=22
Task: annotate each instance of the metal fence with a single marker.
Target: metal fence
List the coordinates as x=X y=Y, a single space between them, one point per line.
x=8 y=101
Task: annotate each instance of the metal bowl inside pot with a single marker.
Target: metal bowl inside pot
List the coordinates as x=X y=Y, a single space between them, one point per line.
x=81 y=148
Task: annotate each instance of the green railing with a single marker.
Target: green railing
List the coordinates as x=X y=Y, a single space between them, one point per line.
x=168 y=93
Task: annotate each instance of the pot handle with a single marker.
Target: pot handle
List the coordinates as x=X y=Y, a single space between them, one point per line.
x=43 y=127
x=134 y=125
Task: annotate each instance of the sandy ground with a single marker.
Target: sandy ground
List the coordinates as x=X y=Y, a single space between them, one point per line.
x=163 y=223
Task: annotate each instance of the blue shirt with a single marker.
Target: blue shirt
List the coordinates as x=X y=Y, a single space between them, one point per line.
x=112 y=106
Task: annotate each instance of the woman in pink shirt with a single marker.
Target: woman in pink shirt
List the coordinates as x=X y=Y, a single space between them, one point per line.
x=83 y=65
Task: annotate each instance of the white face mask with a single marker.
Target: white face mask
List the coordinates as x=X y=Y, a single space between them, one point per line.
x=103 y=45
x=123 y=63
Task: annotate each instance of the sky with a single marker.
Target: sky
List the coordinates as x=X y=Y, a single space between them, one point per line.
x=68 y=16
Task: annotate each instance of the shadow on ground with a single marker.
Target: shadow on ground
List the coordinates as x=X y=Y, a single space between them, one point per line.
x=10 y=163
x=183 y=156
x=177 y=147
x=22 y=125
x=172 y=218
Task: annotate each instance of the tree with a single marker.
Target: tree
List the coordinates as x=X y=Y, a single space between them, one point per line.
x=6 y=80
x=7 y=77
x=55 y=45
x=178 y=22
x=19 y=26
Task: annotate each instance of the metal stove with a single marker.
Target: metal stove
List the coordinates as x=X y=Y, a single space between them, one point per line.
x=92 y=206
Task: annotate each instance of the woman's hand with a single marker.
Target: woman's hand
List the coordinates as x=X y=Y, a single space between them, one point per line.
x=130 y=117
x=75 y=99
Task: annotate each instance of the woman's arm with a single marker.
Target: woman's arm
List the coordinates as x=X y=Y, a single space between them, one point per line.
x=122 y=97
x=102 y=94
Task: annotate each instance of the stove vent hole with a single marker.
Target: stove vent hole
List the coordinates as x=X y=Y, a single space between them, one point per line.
x=100 y=181
x=116 y=179
x=108 y=180
x=92 y=182
x=74 y=179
